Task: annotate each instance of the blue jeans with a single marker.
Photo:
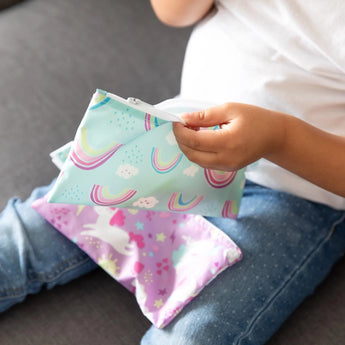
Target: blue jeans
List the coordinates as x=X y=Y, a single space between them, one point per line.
x=33 y=254
x=289 y=246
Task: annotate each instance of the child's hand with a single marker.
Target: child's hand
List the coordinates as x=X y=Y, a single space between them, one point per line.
x=246 y=134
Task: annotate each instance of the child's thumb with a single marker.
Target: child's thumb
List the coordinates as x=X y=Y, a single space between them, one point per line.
x=205 y=118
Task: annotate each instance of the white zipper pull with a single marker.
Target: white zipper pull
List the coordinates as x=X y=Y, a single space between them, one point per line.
x=150 y=109
x=133 y=100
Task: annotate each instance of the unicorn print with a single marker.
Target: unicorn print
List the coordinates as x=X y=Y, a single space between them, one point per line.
x=105 y=230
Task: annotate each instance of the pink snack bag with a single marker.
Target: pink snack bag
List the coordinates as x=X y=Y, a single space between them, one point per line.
x=165 y=259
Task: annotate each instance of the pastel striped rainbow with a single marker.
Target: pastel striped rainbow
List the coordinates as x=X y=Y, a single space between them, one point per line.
x=164 y=167
x=85 y=157
x=178 y=205
x=150 y=122
x=230 y=209
x=100 y=101
x=218 y=178
x=100 y=196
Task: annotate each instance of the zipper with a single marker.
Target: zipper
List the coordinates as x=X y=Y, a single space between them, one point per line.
x=138 y=104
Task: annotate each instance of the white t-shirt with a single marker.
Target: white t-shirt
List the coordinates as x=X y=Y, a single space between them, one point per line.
x=283 y=55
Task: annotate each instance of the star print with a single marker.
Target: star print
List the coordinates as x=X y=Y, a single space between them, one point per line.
x=139 y=225
x=173 y=237
x=160 y=237
x=158 y=303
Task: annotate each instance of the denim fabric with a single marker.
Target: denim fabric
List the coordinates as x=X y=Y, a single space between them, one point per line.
x=33 y=254
x=289 y=245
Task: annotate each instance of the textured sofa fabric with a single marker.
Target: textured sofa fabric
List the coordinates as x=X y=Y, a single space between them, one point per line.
x=53 y=54
x=7 y=3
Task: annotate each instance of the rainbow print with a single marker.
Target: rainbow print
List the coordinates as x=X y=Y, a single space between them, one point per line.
x=85 y=157
x=230 y=209
x=163 y=167
x=218 y=178
x=150 y=122
x=100 y=196
x=177 y=205
x=99 y=101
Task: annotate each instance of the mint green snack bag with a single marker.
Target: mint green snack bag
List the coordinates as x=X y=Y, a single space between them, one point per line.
x=125 y=155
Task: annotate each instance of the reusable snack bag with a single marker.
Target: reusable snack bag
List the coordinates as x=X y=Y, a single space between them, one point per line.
x=165 y=259
x=125 y=155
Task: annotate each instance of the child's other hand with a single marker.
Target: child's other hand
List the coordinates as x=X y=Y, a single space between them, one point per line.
x=246 y=134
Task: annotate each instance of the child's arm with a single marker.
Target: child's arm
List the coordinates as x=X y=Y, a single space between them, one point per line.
x=181 y=12
x=248 y=133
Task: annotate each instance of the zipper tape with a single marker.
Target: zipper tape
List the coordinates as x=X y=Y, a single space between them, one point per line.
x=138 y=104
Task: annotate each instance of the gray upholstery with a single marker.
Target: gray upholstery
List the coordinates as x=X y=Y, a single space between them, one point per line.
x=53 y=54
x=7 y=3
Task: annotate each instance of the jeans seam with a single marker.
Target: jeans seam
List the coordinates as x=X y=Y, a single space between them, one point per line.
x=44 y=281
x=44 y=278
x=298 y=268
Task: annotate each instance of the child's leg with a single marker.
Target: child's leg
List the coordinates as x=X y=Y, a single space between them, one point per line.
x=289 y=246
x=33 y=254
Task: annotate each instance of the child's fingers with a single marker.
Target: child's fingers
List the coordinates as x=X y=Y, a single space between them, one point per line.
x=203 y=140
x=207 y=118
x=206 y=160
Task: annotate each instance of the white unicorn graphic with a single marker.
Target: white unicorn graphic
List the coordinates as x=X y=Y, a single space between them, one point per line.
x=112 y=234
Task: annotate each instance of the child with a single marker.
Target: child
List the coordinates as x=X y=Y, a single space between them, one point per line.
x=288 y=57
x=271 y=54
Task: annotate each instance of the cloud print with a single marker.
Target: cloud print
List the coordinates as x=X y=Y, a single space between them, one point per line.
x=127 y=171
x=191 y=171
x=148 y=202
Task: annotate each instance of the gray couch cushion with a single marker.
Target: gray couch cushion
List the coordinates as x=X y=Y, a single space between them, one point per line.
x=7 y=3
x=54 y=54
x=90 y=310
